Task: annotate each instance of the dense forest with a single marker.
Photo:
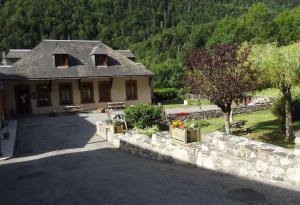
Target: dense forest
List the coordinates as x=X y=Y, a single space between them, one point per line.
x=160 y=32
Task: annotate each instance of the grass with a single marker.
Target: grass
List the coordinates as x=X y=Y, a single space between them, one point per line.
x=273 y=92
x=192 y=103
x=263 y=127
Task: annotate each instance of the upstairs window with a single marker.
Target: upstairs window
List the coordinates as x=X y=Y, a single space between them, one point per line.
x=100 y=60
x=131 y=90
x=87 y=92
x=43 y=95
x=61 y=60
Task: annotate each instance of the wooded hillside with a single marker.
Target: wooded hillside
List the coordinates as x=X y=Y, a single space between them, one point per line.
x=160 y=32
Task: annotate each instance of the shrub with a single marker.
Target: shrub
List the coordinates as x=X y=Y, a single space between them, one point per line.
x=143 y=116
x=148 y=131
x=279 y=111
x=165 y=94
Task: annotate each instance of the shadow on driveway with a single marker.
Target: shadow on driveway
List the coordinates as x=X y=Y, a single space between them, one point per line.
x=110 y=176
x=40 y=134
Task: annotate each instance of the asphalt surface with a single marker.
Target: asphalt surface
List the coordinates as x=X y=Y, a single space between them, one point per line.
x=61 y=161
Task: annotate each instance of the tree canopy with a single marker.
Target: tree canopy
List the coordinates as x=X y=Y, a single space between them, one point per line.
x=221 y=75
x=157 y=31
x=279 y=66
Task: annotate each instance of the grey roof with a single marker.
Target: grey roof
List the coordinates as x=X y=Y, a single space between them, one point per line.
x=39 y=63
x=59 y=50
x=126 y=53
x=98 y=51
x=17 y=53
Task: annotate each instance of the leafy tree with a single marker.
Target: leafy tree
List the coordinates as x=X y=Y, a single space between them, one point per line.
x=168 y=75
x=225 y=32
x=221 y=75
x=288 y=26
x=280 y=66
x=256 y=25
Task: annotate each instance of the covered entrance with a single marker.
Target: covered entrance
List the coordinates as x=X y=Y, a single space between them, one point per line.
x=23 y=100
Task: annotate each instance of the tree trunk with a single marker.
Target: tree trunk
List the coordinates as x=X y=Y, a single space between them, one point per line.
x=227 y=122
x=227 y=110
x=286 y=90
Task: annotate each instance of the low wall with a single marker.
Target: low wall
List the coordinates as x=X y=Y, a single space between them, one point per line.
x=217 y=151
x=218 y=113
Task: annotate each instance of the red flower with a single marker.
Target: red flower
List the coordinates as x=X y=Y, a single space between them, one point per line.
x=182 y=113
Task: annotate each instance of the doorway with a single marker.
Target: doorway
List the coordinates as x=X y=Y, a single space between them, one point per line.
x=23 y=100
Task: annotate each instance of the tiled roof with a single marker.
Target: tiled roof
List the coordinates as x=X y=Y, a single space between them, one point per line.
x=99 y=50
x=126 y=53
x=39 y=63
x=17 y=53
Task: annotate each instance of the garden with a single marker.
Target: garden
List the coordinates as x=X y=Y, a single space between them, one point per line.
x=224 y=75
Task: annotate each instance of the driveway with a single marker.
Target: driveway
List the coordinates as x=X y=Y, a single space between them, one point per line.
x=61 y=161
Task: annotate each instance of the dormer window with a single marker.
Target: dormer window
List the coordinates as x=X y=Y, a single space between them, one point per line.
x=61 y=58
x=100 y=57
x=100 y=60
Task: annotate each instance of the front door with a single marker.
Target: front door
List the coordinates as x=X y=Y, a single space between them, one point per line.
x=23 y=102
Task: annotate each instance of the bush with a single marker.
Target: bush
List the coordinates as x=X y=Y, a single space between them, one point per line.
x=165 y=94
x=148 y=131
x=279 y=111
x=143 y=116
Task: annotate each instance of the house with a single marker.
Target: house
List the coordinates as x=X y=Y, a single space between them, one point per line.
x=59 y=73
x=128 y=54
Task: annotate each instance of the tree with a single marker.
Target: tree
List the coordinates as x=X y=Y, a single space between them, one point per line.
x=225 y=32
x=288 y=26
x=279 y=66
x=221 y=75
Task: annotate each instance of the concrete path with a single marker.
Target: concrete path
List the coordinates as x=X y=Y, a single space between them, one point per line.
x=61 y=161
x=192 y=109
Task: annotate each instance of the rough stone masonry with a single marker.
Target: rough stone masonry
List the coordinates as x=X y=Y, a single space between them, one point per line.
x=217 y=151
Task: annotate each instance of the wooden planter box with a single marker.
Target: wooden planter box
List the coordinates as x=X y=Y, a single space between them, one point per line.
x=185 y=135
x=116 y=129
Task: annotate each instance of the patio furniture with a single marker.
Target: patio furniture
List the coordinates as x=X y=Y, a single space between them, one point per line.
x=116 y=105
x=73 y=109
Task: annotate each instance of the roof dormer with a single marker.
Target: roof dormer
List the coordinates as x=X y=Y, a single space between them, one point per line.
x=100 y=57
x=61 y=58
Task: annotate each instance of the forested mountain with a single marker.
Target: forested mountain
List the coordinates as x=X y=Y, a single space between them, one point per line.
x=160 y=32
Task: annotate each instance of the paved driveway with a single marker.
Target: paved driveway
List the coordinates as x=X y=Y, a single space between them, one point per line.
x=60 y=161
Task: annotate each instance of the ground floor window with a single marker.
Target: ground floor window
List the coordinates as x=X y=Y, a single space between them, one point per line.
x=131 y=90
x=87 y=92
x=104 y=91
x=43 y=93
x=65 y=94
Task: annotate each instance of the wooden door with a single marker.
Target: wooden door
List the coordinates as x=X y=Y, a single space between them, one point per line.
x=23 y=99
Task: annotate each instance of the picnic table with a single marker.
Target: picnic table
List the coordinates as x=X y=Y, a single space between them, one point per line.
x=239 y=124
x=116 y=105
x=73 y=109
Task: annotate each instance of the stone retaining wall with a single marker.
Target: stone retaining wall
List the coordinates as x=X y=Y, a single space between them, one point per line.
x=217 y=151
x=218 y=113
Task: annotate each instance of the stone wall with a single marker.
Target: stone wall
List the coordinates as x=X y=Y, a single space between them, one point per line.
x=217 y=151
x=218 y=113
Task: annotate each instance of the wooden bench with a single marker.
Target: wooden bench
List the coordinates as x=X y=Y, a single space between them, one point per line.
x=73 y=109
x=116 y=105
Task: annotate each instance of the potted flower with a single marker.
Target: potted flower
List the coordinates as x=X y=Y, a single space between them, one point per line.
x=185 y=132
x=117 y=127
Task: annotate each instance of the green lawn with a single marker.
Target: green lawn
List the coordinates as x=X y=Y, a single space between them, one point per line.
x=273 y=92
x=263 y=127
x=192 y=103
